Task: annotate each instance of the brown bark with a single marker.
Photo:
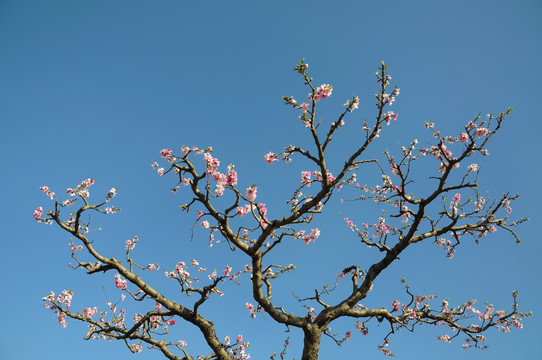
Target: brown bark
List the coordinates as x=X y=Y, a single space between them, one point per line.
x=311 y=342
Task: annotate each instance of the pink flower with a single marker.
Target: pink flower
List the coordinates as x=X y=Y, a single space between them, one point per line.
x=120 y=283
x=88 y=312
x=473 y=167
x=457 y=198
x=212 y=163
x=251 y=309
x=352 y=104
x=110 y=210
x=227 y=272
x=306 y=178
x=362 y=328
x=171 y=322
x=38 y=212
x=395 y=304
x=182 y=343
x=481 y=132
x=323 y=91
x=65 y=297
x=61 y=318
x=315 y=233
x=45 y=189
x=390 y=115
x=130 y=244
x=463 y=137
x=165 y=153
x=243 y=210
x=251 y=193
x=271 y=157
x=239 y=339
x=445 y=338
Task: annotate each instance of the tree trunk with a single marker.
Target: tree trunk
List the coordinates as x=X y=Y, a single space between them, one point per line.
x=311 y=343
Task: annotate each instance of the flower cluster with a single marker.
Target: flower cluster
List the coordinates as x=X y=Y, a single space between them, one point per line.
x=251 y=193
x=81 y=189
x=323 y=91
x=47 y=192
x=251 y=309
x=353 y=104
x=238 y=350
x=119 y=282
x=130 y=244
x=307 y=238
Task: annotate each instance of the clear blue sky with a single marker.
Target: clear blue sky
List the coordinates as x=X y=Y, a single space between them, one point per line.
x=96 y=89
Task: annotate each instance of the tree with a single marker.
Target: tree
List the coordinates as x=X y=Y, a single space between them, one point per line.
x=449 y=212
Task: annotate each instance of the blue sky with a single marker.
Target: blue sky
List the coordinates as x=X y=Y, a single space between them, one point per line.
x=96 y=89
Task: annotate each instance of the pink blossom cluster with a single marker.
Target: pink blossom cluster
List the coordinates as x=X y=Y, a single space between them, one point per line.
x=182 y=343
x=180 y=269
x=251 y=193
x=119 y=282
x=306 y=178
x=212 y=163
x=239 y=349
x=447 y=245
x=47 y=192
x=223 y=180
x=384 y=349
x=251 y=309
x=323 y=91
x=111 y=210
x=38 y=212
x=227 y=271
x=81 y=189
x=382 y=228
x=161 y=171
x=350 y=224
x=165 y=153
x=75 y=248
x=387 y=98
x=312 y=236
x=329 y=176
x=243 y=210
x=130 y=244
x=270 y=157
x=111 y=194
x=389 y=116
x=362 y=328
x=445 y=338
x=64 y=298
x=136 y=348
x=353 y=104
x=88 y=312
